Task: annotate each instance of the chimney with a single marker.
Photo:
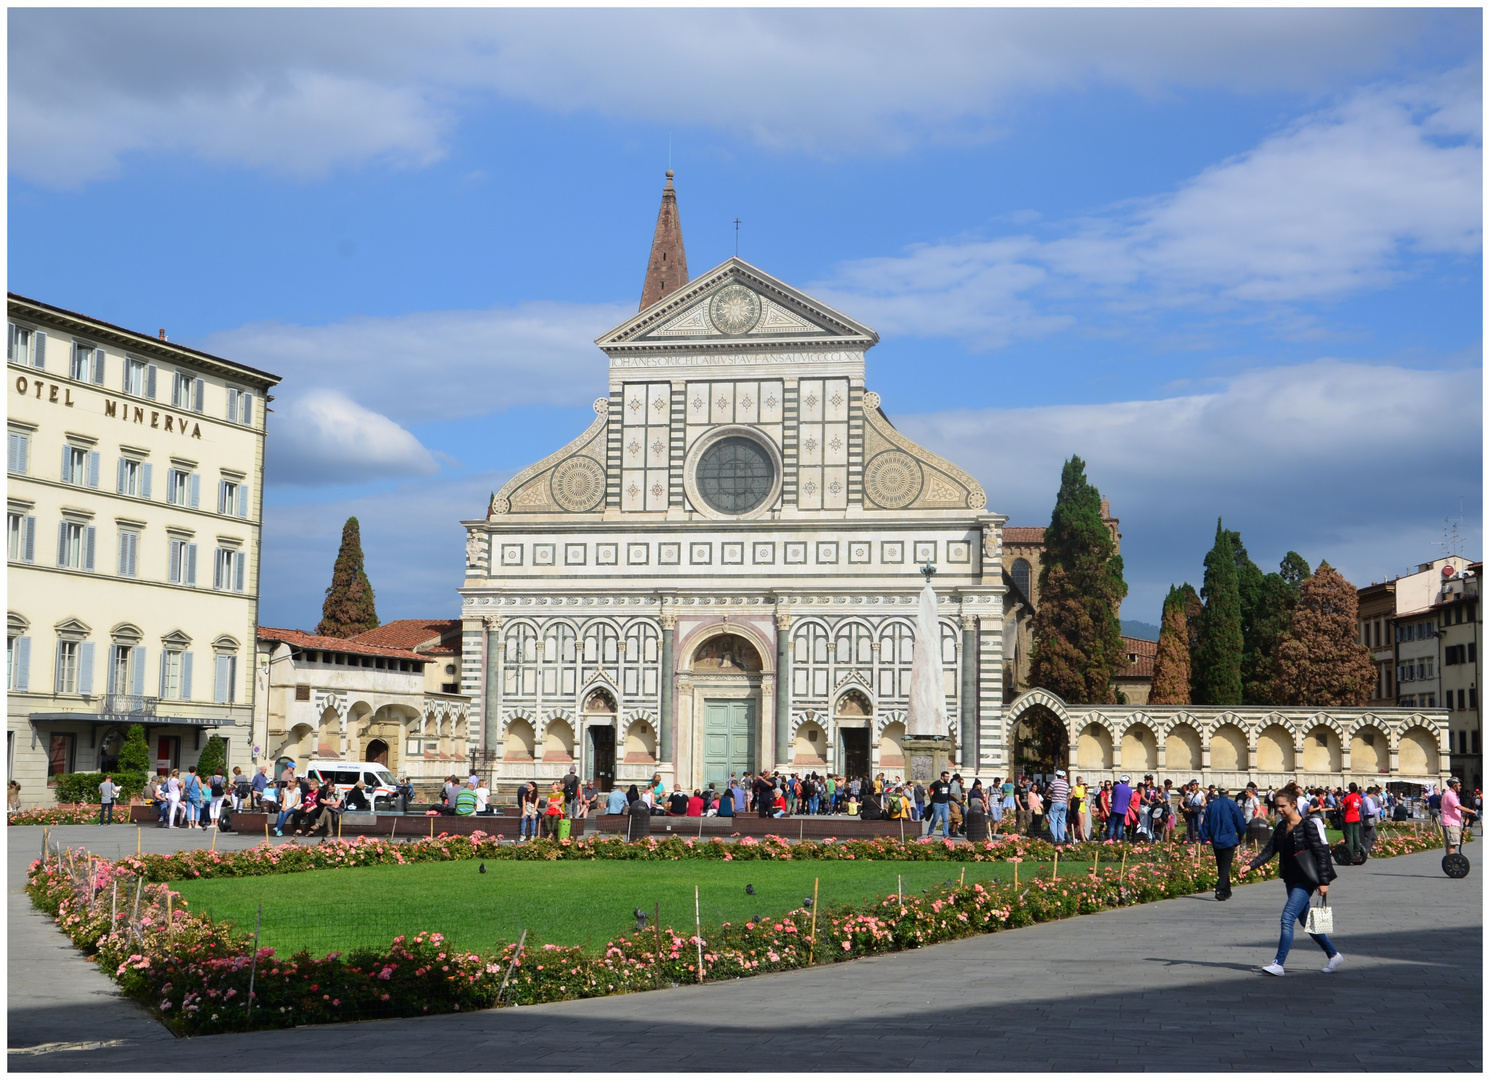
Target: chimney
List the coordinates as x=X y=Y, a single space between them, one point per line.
x=162 y=333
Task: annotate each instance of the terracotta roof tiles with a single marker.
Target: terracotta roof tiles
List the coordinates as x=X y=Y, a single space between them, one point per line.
x=408 y=633
x=301 y=640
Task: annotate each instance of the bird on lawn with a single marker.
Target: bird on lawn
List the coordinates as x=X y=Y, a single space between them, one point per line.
x=641 y=919
x=481 y=869
x=749 y=890
x=806 y=901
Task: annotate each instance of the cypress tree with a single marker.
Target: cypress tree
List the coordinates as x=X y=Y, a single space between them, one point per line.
x=1218 y=657
x=1319 y=660
x=214 y=758
x=1171 y=685
x=1078 y=638
x=349 y=609
x=134 y=755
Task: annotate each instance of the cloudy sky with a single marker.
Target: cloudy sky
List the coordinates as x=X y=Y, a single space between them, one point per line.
x=1231 y=258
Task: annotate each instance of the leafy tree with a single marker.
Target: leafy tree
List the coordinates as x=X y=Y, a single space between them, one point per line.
x=349 y=609
x=1319 y=660
x=1078 y=638
x=1218 y=657
x=134 y=755
x=1171 y=685
x=214 y=757
x=1267 y=602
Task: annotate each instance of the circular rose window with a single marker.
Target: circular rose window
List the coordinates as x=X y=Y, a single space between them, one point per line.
x=735 y=475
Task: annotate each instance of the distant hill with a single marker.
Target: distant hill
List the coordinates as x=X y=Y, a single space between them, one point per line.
x=1145 y=630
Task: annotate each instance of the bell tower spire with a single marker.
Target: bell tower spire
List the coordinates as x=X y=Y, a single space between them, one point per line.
x=667 y=269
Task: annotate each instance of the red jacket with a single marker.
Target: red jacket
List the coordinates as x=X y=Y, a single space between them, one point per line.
x=1352 y=807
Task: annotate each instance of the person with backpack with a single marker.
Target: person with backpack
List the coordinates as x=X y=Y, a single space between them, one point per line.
x=1305 y=866
x=571 y=793
x=217 y=790
x=191 y=793
x=1117 y=817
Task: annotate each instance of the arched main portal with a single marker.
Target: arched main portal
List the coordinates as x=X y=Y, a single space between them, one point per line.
x=377 y=752
x=1041 y=743
x=725 y=671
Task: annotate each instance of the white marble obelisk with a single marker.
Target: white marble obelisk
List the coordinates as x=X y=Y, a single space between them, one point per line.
x=928 y=710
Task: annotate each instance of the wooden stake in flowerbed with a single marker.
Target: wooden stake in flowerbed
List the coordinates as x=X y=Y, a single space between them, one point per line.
x=812 y=935
x=698 y=934
x=515 y=954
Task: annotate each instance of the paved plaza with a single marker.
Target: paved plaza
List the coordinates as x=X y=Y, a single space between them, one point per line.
x=1168 y=986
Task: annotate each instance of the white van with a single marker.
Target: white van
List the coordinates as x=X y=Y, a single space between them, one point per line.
x=376 y=779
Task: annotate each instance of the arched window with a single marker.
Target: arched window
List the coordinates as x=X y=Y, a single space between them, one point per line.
x=520 y=661
x=897 y=650
x=602 y=651
x=560 y=662
x=641 y=662
x=1020 y=572
x=853 y=650
x=810 y=664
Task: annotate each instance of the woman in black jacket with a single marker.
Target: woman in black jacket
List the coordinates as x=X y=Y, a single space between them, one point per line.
x=1304 y=865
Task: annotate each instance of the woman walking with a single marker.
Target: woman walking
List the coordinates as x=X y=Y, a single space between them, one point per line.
x=1304 y=864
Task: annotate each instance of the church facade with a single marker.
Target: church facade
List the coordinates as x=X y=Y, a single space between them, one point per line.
x=720 y=574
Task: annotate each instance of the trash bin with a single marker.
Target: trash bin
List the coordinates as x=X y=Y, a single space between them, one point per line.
x=638 y=820
x=977 y=824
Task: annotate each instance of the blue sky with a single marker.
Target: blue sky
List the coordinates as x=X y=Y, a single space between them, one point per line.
x=1232 y=258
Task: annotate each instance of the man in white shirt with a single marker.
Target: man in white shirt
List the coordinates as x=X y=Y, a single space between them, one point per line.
x=483 y=796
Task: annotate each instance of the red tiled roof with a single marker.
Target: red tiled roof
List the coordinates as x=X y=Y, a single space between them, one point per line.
x=407 y=633
x=301 y=640
x=1141 y=653
x=1024 y=534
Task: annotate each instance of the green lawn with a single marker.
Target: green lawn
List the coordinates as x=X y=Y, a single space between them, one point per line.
x=563 y=903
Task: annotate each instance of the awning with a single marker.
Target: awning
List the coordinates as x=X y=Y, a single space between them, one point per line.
x=124 y=719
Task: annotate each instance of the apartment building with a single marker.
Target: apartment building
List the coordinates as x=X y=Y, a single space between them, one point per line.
x=1377 y=614
x=1459 y=617
x=133 y=516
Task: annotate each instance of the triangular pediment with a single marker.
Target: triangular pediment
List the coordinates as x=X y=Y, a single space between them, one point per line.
x=736 y=306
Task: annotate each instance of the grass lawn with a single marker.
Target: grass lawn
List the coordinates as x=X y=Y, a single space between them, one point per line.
x=563 y=903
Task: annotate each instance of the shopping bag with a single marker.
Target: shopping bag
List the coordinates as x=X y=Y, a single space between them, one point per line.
x=1321 y=919
x=564 y=831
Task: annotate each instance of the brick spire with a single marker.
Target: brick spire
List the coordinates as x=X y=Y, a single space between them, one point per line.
x=667 y=269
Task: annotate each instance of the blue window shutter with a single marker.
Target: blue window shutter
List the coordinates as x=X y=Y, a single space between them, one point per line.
x=23 y=663
x=90 y=536
x=98 y=355
x=220 y=681
x=10 y=343
x=25 y=454
x=162 y=691
x=67 y=464
x=139 y=681
x=57 y=672
x=39 y=340
x=199 y=394
x=150 y=371
x=232 y=396
x=191 y=564
x=12 y=452
x=241 y=561
x=134 y=554
x=171 y=486
x=30 y=552
x=124 y=554
x=85 y=668
x=186 y=676
x=119 y=488
x=93 y=459
x=243 y=500
x=145 y=471
x=246 y=409
x=196 y=490
x=62 y=543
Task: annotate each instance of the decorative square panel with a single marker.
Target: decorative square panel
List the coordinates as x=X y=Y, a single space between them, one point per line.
x=605 y=554
x=957 y=551
x=574 y=554
x=925 y=551
x=669 y=554
x=512 y=554
x=796 y=553
x=700 y=554
x=892 y=551
x=763 y=554
x=858 y=551
x=732 y=554
x=543 y=554
x=827 y=553
x=636 y=554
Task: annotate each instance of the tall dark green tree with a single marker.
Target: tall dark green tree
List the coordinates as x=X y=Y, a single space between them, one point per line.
x=214 y=758
x=349 y=609
x=1171 y=683
x=1078 y=638
x=1268 y=601
x=1217 y=659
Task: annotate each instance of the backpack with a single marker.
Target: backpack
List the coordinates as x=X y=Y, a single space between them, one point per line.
x=217 y=789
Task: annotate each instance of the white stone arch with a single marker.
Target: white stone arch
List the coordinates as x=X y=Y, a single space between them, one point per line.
x=821 y=717
x=1307 y=725
x=853 y=680
x=1370 y=720
x=888 y=717
x=1144 y=724
x=1039 y=696
x=757 y=640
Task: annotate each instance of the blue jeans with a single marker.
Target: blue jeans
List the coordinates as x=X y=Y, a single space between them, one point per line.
x=940 y=811
x=106 y=814
x=1297 y=910
x=193 y=812
x=1056 y=816
x=528 y=826
x=1115 y=823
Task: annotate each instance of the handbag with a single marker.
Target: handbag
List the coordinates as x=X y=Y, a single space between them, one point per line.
x=1321 y=919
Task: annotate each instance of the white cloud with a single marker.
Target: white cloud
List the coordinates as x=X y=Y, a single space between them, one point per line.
x=302 y=92
x=1342 y=200
x=439 y=365
x=323 y=437
x=1334 y=459
x=414 y=570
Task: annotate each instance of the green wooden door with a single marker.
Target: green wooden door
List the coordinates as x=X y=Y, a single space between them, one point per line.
x=729 y=740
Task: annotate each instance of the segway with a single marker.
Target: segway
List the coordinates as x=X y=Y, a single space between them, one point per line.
x=1456 y=864
x=1343 y=856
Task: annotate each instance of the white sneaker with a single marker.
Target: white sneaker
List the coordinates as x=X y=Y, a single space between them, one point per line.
x=1333 y=964
x=1272 y=969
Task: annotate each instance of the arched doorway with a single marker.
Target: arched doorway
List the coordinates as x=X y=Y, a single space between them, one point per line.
x=377 y=752
x=726 y=674
x=852 y=719
x=600 y=728
x=1041 y=744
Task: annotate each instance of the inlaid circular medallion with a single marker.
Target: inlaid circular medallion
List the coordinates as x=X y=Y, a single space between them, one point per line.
x=892 y=479
x=735 y=310
x=578 y=484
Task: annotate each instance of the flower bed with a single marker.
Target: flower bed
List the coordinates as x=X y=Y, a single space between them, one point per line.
x=196 y=973
x=67 y=814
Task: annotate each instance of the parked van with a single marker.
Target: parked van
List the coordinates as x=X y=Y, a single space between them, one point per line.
x=379 y=783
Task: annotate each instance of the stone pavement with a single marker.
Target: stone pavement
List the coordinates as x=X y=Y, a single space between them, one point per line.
x=1162 y=987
